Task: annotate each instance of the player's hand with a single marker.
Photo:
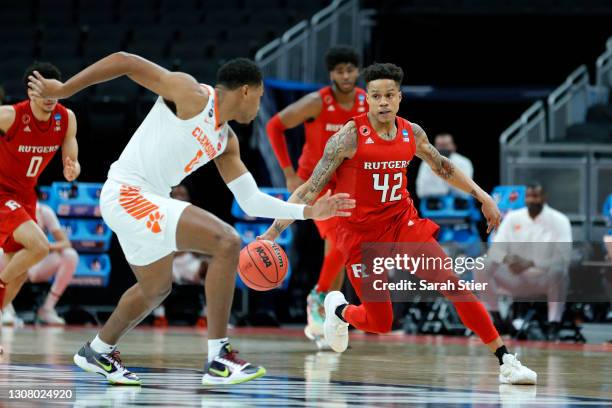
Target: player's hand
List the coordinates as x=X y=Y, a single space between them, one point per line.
x=293 y=182
x=491 y=213
x=72 y=169
x=330 y=206
x=267 y=236
x=46 y=88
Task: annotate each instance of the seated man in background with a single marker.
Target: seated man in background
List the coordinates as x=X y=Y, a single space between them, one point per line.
x=187 y=268
x=530 y=255
x=428 y=184
x=61 y=262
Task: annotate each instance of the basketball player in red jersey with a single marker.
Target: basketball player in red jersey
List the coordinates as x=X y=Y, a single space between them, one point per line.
x=369 y=157
x=323 y=113
x=31 y=132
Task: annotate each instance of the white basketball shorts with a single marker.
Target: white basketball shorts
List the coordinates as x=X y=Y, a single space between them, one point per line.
x=145 y=222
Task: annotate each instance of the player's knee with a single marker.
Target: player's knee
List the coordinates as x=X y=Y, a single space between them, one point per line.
x=229 y=244
x=39 y=249
x=158 y=293
x=70 y=255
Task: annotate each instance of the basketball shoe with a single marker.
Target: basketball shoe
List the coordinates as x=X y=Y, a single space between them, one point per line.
x=227 y=368
x=513 y=372
x=108 y=365
x=335 y=329
x=315 y=311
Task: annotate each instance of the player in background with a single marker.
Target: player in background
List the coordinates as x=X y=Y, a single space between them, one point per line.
x=369 y=157
x=61 y=263
x=31 y=132
x=322 y=113
x=185 y=129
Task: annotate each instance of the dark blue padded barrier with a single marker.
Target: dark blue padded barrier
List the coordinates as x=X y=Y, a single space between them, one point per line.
x=607 y=212
x=93 y=270
x=449 y=207
x=87 y=235
x=75 y=199
x=509 y=197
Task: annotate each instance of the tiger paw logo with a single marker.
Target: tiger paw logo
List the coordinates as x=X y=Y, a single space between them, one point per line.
x=153 y=222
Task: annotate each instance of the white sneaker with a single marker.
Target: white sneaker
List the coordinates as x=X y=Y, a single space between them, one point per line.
x=10 y=318
x=50 y=317
x=319 y=339
x=513 y=372
x=335 y=330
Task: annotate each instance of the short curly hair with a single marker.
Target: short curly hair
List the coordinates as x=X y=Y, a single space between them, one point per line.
x=46 y=69
x=341 y=54
x=239 y=71
x=383 y=71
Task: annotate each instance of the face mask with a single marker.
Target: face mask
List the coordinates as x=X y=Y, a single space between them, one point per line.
x=535 y=208
x=445 y=152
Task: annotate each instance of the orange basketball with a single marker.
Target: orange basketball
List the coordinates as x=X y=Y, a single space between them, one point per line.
x=263 y=265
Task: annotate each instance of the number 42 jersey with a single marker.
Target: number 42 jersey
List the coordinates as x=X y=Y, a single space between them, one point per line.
x=376 y=175
x=28 y=146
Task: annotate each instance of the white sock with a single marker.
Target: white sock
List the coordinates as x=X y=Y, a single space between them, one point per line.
x=214 y=347
x=101 y=347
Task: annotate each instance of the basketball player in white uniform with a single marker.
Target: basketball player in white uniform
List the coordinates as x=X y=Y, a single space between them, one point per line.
x=185 y=129
x=61 y=262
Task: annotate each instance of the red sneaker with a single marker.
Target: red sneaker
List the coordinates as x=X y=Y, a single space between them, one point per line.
x=202 y=322
x=160 y=321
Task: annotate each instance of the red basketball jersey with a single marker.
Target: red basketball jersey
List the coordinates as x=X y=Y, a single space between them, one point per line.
x=376 y=176
x=330 y=120
x=28 y=146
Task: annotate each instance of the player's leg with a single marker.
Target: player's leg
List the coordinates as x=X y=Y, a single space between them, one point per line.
x=330 y=278
x=61 y=264
x=374 y=315
x=200 y=231
x=154 y=283
x=35 y=247
x=473 y=314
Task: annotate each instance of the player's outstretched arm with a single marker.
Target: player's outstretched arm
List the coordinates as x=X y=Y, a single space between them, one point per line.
x=342 y=145
x=70 y=150
x=178 y=87
x=257 y=204
x=450 y=173
x=307 y=107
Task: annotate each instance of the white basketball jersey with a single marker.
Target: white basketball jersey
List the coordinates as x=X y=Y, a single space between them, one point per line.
x=165 y=149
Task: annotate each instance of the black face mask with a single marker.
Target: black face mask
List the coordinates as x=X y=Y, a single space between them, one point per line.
x=445 y=152
x=535 y=208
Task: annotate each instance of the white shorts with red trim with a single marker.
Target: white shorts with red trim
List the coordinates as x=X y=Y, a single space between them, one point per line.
x=145 y=222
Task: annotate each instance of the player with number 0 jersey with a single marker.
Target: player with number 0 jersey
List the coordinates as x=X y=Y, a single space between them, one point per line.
x=31 y=133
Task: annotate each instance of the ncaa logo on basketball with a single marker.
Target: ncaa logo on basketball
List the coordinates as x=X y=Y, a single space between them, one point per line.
x=364 y=130
x=264 y=258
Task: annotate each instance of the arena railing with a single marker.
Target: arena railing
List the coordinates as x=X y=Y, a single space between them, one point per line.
x=568 y=103
x=297 y=55
x=603 y=67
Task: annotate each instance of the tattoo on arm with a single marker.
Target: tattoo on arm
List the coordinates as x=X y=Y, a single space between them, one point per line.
x=339 y=147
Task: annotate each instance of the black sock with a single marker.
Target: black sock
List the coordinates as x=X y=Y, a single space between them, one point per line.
x=339 y=310
x=500 y=354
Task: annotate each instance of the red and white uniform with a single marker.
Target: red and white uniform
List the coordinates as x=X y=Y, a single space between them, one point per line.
x=376 y=178
x=25 y=151
x=317 y=132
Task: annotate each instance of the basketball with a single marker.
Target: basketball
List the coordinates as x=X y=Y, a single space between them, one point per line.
x=263 y=265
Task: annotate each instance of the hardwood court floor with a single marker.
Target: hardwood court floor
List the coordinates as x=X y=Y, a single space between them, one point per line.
x=382 y=371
